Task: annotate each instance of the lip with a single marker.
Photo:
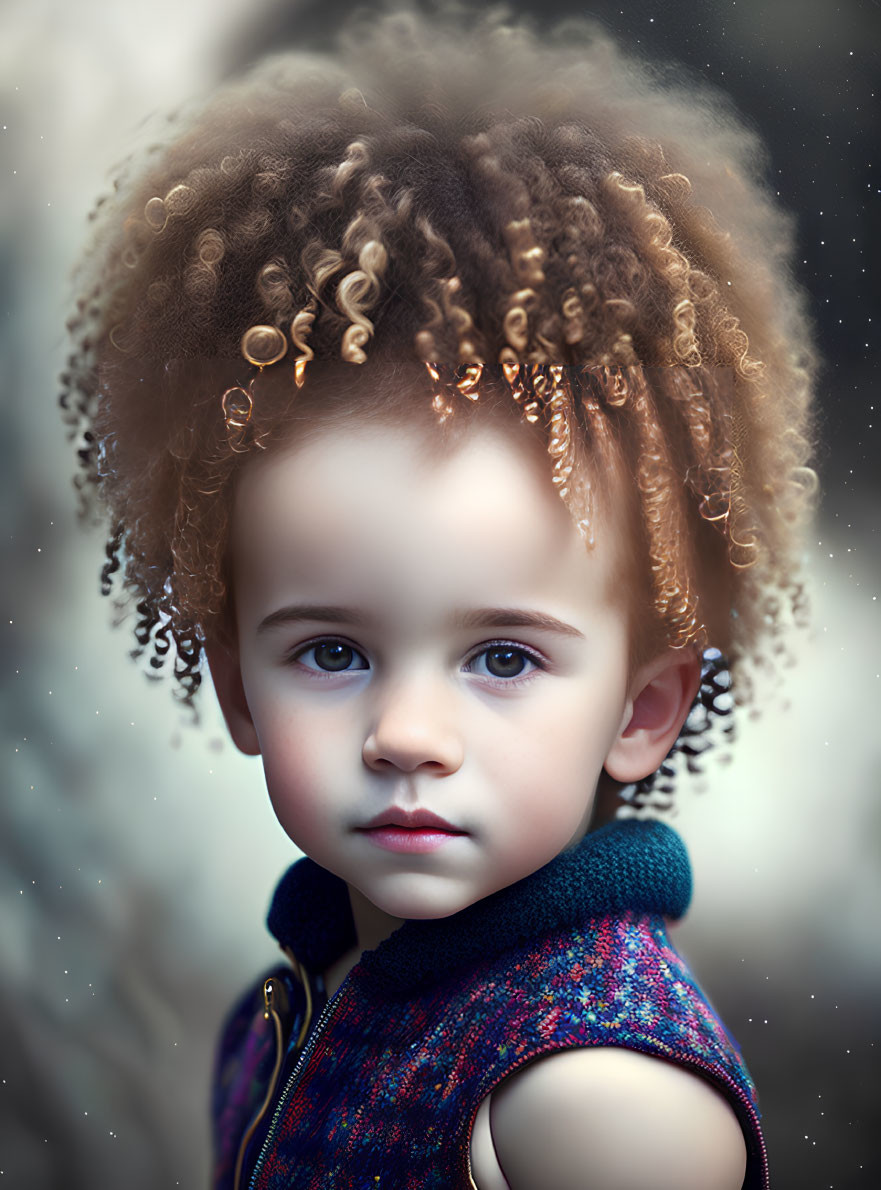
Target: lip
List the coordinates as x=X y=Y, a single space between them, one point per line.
x=413 y=832
x=413 y=820
x=410 y=842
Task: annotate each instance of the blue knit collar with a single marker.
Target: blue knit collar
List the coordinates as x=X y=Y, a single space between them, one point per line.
x=641 y=865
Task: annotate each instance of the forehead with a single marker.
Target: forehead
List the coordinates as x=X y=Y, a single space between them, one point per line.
x=357 y=512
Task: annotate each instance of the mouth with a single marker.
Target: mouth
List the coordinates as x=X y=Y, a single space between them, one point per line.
x=410 y=831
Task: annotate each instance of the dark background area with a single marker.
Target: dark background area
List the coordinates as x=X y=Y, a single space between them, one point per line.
x=128 y=919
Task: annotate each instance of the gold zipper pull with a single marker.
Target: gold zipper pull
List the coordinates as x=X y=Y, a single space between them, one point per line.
x=275 y=999
x=276 y=1009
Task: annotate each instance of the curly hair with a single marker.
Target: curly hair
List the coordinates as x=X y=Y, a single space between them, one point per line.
x=542 y=216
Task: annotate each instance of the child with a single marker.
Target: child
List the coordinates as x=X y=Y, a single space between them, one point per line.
x=431 y=403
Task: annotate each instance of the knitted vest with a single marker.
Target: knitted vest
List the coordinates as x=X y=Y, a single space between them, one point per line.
x=381 y=1090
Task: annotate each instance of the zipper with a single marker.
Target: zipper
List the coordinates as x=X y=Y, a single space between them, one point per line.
x=270 y=1012
x=320 y=1025
x=276 y=1005
x=692 y=1062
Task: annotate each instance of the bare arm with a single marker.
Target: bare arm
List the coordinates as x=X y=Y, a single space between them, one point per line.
x=614 y=1119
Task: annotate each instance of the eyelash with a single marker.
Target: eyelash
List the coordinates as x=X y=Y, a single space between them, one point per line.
x=301 y=650
x=534 y=658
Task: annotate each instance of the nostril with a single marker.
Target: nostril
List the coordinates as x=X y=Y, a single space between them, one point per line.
x=407 y=750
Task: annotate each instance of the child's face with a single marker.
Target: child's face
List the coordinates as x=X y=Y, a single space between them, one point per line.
x=425 y=633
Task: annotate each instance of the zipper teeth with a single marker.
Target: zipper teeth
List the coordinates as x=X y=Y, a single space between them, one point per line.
x=693 y=1062
x=320 y=1025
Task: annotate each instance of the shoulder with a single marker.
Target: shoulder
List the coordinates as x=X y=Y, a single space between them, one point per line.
x=611 y=1117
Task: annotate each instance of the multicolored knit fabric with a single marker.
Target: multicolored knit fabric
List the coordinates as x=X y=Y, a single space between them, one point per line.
x=386 y=1091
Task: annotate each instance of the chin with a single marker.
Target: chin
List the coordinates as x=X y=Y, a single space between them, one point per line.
x=421 y=905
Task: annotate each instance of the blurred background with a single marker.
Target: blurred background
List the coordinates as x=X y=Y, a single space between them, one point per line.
x=137 y=854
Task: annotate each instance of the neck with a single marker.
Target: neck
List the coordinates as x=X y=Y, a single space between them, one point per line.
x=372 y=926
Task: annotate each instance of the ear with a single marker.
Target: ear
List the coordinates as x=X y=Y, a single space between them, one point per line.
x=226 y=674
x=661 y=695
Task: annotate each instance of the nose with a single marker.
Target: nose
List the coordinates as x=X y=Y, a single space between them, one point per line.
x=414 y=727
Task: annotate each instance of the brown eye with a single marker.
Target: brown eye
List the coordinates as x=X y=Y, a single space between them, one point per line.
x=331 y=656
x=505 y=663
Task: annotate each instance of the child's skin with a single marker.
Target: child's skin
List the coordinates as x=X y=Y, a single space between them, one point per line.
x=425 y=630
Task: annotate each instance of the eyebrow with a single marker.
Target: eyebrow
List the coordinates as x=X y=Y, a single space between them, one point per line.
x=484 y=617
x=313 y=612
x=514 y=617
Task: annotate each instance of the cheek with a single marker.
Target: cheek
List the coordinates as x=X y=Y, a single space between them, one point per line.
x=548 y=774
x=564 y=748
x=298 y=761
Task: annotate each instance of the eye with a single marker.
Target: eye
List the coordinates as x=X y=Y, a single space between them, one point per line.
x=330 y=656
x=503 y=661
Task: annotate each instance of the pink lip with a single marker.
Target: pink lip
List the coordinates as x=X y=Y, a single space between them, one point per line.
x=414 y=831
x=412 y=820
x=399 y=838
